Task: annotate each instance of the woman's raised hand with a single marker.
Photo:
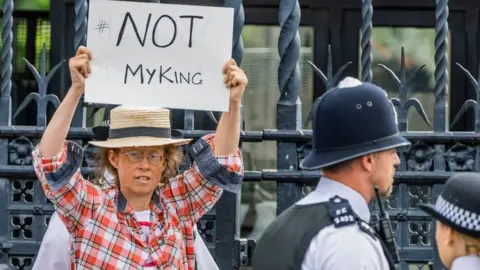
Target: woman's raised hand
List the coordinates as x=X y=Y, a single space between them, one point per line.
x=79 y=66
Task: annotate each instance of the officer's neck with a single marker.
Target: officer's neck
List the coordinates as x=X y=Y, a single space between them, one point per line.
x=355 y=181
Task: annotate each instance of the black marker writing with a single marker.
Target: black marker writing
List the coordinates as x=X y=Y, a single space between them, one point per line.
x=128 y=18
x=165 y=75
x=127 y=69
x=162 y=74
x=191 y=26
x=124 y=24
x=151 y=74
x=155 y=31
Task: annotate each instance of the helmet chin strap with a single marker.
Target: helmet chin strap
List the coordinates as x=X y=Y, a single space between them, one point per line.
x=384 y=229
x=376 y=188
x=378 y=197
x=378 y=192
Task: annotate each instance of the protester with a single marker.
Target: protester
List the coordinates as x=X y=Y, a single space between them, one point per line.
x=355 y=137
x=54 y=252
x=146 y=219
x=457 y=214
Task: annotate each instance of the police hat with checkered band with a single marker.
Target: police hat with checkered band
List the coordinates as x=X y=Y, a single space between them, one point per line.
x=458 y=205
x=349 y=121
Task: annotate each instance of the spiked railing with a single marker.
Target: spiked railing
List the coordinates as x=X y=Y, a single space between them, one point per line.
x=237 y=49
x=403 y=103
x=470 y=104
x=81 y=23
x=41 y=98
x=433 y=157
x=6 y=64
x=329 y=81
x=7 y=52
x=289 y=105
x=441 y=65
x=366 y=43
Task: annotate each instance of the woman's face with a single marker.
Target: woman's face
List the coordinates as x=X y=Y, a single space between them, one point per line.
x=139 y=168
x=447 y=244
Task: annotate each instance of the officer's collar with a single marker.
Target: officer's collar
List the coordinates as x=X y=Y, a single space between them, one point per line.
x=466 y=262
x=358 y=203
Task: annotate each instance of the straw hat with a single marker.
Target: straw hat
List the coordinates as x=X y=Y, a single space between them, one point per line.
x=139 y=126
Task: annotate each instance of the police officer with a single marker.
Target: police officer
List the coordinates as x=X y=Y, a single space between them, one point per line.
x=457 y=211
x=355 y=137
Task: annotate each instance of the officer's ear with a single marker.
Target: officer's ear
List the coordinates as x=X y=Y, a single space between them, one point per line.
x=367 y=162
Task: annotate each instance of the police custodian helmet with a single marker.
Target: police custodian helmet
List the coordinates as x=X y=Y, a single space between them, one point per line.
x=458 y=205
x=351 y=120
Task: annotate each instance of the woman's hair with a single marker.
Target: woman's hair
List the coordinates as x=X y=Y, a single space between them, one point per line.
x=472 y=244
x=173 y=158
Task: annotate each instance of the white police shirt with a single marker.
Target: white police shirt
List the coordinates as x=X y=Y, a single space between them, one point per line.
x=345 y=247
x=466 y=262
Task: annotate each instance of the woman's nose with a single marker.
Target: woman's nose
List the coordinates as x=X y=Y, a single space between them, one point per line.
x=144 y=163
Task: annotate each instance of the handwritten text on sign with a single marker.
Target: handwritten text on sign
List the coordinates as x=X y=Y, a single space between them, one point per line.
x=147 y=54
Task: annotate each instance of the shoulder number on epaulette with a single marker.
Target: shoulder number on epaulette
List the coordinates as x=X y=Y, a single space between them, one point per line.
x=341 y=212
x=342 y=215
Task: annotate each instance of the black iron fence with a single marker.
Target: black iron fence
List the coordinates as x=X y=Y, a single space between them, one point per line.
x=433 y=156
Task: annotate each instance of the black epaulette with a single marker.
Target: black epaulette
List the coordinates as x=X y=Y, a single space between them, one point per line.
x=364 y=226
x=342 y=215
x=341 y=212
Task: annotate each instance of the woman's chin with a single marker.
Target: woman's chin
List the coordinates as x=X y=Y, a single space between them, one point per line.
x=143 y=188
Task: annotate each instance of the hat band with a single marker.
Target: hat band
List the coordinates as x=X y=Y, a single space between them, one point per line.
x=158 y=132
x=462 y=217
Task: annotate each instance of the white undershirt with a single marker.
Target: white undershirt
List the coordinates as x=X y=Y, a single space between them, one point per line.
x=143 y=219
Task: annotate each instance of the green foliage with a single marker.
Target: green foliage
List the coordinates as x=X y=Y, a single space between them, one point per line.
x=418 y=43
x=387 y=43
x=30 y=4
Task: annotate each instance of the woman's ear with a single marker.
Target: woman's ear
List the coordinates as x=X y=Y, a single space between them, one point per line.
x=450 y=236
x=113 y=158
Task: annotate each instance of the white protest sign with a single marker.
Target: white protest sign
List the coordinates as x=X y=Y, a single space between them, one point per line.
x=163 y=55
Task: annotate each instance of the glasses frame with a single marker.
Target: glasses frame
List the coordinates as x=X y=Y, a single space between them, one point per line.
x=141 y=157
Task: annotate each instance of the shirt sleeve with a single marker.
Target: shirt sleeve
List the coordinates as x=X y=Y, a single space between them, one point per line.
x=55 y=247
x=348 y=248
x=75 y=199
x=195 y=191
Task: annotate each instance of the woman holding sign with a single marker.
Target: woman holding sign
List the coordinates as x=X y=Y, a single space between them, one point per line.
x=138 y=223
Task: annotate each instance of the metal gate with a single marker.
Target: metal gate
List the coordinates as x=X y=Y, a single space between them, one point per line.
x=434 y=155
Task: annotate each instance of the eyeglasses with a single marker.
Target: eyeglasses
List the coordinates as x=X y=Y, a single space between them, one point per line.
x=137 y=156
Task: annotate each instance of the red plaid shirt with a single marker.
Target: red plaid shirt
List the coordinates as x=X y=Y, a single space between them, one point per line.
x=105 y=232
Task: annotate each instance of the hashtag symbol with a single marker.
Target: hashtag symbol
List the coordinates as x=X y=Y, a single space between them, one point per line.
x=102 y=25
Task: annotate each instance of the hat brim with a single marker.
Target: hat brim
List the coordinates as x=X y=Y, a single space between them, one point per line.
x=322 y=159
x=430 y=210
x=139 y=142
